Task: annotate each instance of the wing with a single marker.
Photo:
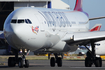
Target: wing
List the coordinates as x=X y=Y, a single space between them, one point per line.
x=83 y=38
x=1 y=35
x=96 y=18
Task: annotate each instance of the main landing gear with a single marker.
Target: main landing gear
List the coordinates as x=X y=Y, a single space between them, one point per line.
x=21 y=61
x=91 y=57
x=57 y=60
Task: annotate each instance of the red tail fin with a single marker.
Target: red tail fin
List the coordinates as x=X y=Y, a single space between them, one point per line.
x=78 y=5
x=96 y=28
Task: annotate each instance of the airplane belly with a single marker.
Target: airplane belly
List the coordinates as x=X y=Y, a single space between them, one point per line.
x=37 y=42
x=61 y=46
x=31 y=43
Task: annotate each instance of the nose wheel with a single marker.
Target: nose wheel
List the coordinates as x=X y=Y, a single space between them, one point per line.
x=23 y=62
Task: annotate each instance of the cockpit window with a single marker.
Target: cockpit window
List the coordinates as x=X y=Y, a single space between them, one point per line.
x=28 y=21
x=20 y=21
x=13 y=21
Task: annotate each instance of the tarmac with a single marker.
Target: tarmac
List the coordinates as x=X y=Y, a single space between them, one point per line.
x=44 y=64
x=34 y=57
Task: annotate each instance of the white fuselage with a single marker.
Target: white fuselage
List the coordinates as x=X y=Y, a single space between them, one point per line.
x=100 y=50
x=37 y=28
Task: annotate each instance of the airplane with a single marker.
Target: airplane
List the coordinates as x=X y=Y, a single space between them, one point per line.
x=50 y=30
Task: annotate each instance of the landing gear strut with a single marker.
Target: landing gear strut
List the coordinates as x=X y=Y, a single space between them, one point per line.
x=57 y=60
x=91 y=57
x=23 y=62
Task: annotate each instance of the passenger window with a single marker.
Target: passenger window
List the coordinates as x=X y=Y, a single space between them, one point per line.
x=20 y=21
x=13 y=21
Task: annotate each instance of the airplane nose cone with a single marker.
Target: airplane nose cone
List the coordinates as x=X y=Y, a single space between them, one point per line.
x=22 y=36
x=19 y=32
x=16 y=36
x=12 y=34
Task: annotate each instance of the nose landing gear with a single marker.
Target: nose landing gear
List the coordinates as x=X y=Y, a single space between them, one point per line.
x=21 y=61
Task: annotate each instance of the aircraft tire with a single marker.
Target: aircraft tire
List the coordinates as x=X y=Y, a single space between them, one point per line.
x=20 y=64
x=59 y=62
x=26 y=64
x=11 y=62
x=88 y=62
x=98 y=62
x=52 y=62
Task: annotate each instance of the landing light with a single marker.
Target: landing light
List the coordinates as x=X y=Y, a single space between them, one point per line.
x=25 y=51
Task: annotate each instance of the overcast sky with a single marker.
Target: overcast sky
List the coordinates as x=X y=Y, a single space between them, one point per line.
x=95 y=8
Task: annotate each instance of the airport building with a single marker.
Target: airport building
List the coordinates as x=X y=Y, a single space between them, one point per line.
x=7 y=6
